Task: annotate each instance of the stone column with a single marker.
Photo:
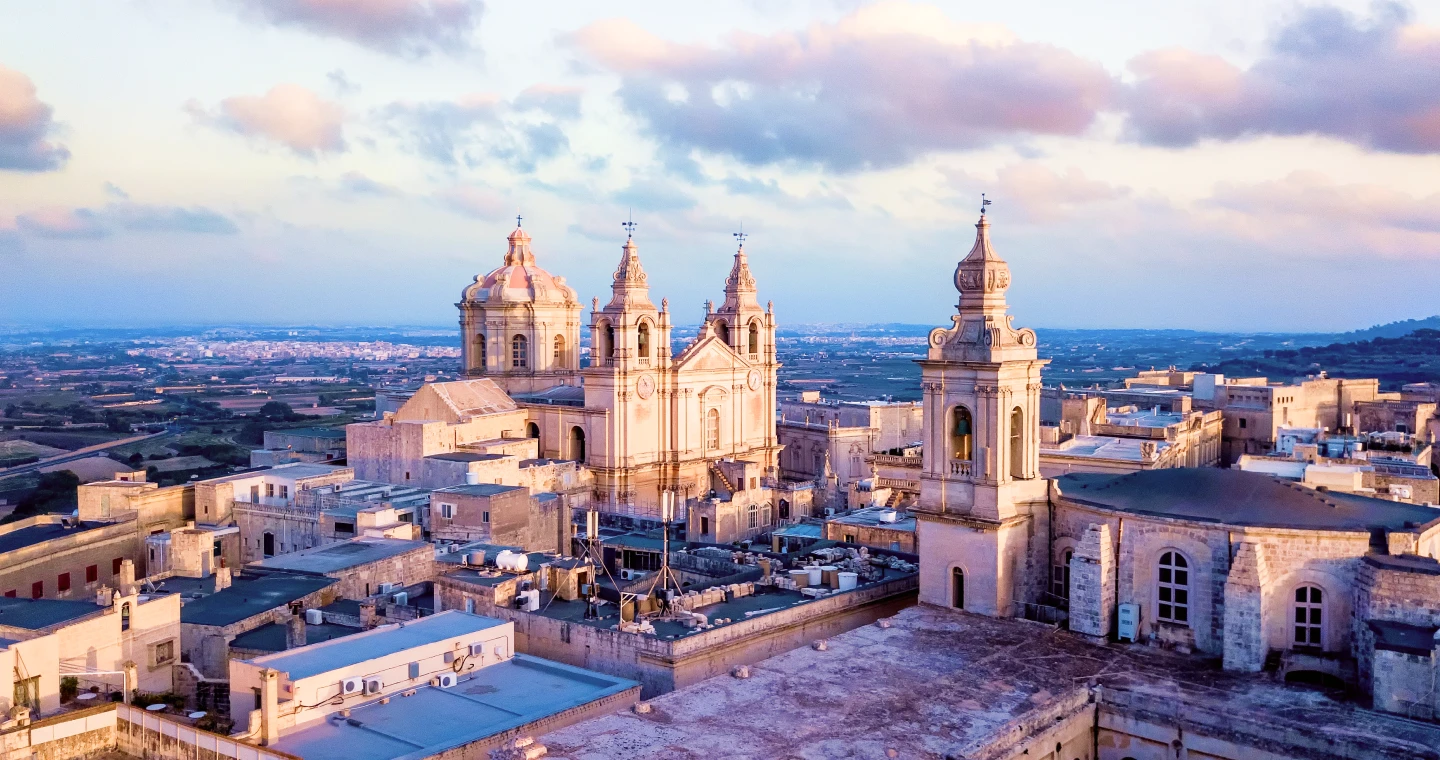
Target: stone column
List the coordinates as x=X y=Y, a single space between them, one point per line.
x=1092 y=583
x=269 y=707
x=1245 y=646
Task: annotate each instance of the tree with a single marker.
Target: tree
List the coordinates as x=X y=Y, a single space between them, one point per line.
x=277 y=410
x=115 y=423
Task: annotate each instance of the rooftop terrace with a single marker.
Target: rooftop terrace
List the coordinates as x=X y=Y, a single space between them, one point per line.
x=40 y=533
x=941 y=683
x=375 y=643
x=248 y=595
x=37 y=614
x=332 y=558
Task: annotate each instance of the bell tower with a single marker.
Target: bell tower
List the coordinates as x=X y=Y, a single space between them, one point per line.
x=980 y=486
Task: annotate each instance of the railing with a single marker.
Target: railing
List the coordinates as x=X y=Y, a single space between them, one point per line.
x=900 y=483
x=960 y=466
x=891 y=460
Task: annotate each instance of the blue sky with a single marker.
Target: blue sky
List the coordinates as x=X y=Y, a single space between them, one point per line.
x=1211 y=165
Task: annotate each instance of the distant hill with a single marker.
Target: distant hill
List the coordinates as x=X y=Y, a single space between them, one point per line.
x=1411 y=358
x=1393 y=329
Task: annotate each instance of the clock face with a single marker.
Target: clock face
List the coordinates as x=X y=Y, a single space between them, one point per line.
x=645 y=386
x=754 y=380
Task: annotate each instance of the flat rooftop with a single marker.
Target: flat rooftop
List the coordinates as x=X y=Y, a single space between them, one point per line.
x=272 y=637
x=313 y=432
x=35 y=614
x=942 y=683
x=1235 y=497
x=468 y=456
x=39 y=534
x=874 y=517
x=1103 y=447
x=250 y=595
x=494 y=699
x=293 y=471
x=480 y=489
x=315 y=659
x=1148 y=418
x=332 y=558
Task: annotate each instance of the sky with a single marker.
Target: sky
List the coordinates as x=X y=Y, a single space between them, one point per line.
x=1217 y=165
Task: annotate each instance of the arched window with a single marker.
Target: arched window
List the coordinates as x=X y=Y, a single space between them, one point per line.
x=962 y=434
x=753 y=344
x=1309 y=614
x=642 y=340
x=722 y=330
x=559 y=360
x=1060 y=576
x=125 y=616
x=957 y=589
x=1174 y=589
x=752 y=516
x=532 y=430
x=712 y=429
x=577 y=444
x=784 y=509
x=1017 y=443
x=519 y=352
x=479 y=359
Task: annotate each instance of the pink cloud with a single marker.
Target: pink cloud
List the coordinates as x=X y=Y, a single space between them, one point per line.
x=1032 y=192
x=876 y=89
x=24 y=125
x=412 y=28
x=288 y=114
x=472 y=201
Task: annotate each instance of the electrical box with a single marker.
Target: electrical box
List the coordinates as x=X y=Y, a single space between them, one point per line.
x=1129 y=621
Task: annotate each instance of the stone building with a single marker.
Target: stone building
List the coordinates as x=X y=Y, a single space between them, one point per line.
x=849 y=432
x=506 y=515
x=1236 y=565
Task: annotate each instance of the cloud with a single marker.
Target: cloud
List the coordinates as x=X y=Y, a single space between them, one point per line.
x=1375 y=83
x=468 y=130
x=24 y=125
x=87 y=223
x=654 y=195
x=343 y=84
x=1309 y=200
x=355 y=183
x=409 y=28
x=472 y=201
x=289 y=115
x=1032 y=192
x=874 y=90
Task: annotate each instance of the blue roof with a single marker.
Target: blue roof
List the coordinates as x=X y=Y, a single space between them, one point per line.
x=271 y=637
x=332 y=558
x=36 y=534
x=495 y=699
x=380 y=642
x=35 y=614
x=250 y=595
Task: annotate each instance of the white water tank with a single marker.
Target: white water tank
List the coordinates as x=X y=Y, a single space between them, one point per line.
x=889 y=516
x=472 y=478
x=800 y=577
x=314 y=617
x=476 y=559
x=848 y=580
x=816 y=576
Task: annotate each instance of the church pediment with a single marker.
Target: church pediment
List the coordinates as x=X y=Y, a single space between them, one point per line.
x=709 y=353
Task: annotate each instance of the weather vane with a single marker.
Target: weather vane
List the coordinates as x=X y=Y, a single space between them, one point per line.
x=740 y=235
x=983 y=203
x=629 y=226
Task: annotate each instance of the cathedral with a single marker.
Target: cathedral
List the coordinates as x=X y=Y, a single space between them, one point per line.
x=643 y=418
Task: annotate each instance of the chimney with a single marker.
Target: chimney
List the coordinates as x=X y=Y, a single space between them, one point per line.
x=126 y=581
x=367 y=614
x=269 y=706
x=295 y=632
x=222 y=577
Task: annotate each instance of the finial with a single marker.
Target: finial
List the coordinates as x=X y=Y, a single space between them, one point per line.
x=983 y=203
x=629 y=225
x=517 y=220
x=740 y=235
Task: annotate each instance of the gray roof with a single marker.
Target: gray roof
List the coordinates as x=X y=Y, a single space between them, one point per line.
x=35 y=614
x=1405 y=563
x=467 y=456
x=312 y=432
x=250 y=595
x=39 y=534
x=479 y=489
x=1235 y=497
x=271 y=637
x=313 y=660
x=492 y=700
x=332 y=558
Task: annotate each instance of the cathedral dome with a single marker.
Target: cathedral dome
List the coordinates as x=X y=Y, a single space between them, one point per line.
x=519 y=280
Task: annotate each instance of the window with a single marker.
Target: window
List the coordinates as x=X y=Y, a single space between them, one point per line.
x=1308 y=616
x=164 y=652
x=1242 y=423
x=722 y=330
x=115 y=565
x=254 y=495
x=752 y=516
x=753 y=343
x=484 y=517
x=642 y=340
x=962 y=434
x=532 y=430
x=92 y=573
x=577 y=444
x=125 y=616
x=63 y=582
x=1174 y=589
x=753 y=483
x=27 y=693
x=284 y=492
x=1017 y=443
x=37 y=589
x=268 y=545
x=765 y=514
x=559 y=359
x=470 y=606
x=519 y=352
x=850 y=538
x=957 y=588
x=712 y=429
x=704 y=525
x=1060 y=576
x=11 y=594
x=447 y=511
x=478 y=361
x=784 y=509
x=269 y=490
x=344 y=527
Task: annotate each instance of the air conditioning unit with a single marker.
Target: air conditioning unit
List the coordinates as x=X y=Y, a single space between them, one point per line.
x=477 y=650
x=447 y=680
x=402 y=598
x=373 y=685
x=350 y=686
x=829 y=511
x=386 y=588
x=314 y=617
